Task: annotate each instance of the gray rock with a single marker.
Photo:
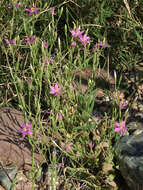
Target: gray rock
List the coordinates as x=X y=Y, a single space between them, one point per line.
x=7 y=176
x=129 y=154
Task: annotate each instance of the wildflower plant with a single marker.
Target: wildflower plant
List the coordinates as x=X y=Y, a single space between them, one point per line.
x=43 y=47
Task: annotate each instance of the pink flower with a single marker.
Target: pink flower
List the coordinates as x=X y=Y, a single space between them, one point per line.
x=31 y=40
x=32 y=10
x=100 y=43
x=12 y=42
x=48 y=60
x=104 y=45
x=16 y=5
x=76 y=33
x=96 y=45
x=25 y=129
x=29 y=80
x=91 y=144
x=55 y=90
x=73 y=44
x=69 y=146
x=45 y=44
x=52 y=10
x=48 y=112
x=60 y=116
x=120 y=127
x=122 y=105
x=62 y=144
x=66 y=147
x=84 y=39
x=10 y=5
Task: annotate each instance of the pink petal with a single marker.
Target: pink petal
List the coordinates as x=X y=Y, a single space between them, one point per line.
x=23 y=134
x=100 y=43
x=52 y=90
x=70 y=144
x=29 y=126
x=116 y=130
x=67 y=148
x=122 y=124
x=57 y=93
x=29 y=132
x=22 y=125
x=26 y=9
x=122 y=132
x=56 y=86
x=117 y=124
x=73 y=44
x=91 y=144
x=59 y=115
x=20 y=130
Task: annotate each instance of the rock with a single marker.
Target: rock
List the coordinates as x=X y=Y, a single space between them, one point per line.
x=135 y=127
x=13 y=148
x=129 y=154
x=7 y=175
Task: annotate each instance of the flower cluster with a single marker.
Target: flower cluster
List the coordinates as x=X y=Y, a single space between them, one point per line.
x=84 y=39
